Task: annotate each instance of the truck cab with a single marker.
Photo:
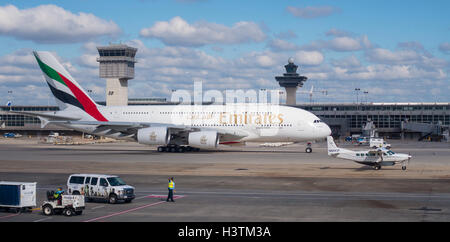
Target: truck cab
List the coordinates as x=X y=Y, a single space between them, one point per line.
x=100 y=187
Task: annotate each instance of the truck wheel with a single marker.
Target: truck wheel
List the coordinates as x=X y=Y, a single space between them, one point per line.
x=308 y=150
x=68 y=212
x=112 y=198
x=47 y=210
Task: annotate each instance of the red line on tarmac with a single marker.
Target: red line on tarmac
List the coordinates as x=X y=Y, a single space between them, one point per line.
x=131 y=210
x=11 y=215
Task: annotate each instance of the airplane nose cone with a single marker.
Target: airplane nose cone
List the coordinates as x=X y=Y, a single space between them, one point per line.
x=328 y=131
x=322 y=132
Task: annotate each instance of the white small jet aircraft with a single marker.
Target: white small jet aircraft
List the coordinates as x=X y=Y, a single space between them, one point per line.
x=376 y=157
x=174 y=128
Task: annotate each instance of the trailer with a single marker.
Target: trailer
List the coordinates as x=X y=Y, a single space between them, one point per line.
x=17 y=196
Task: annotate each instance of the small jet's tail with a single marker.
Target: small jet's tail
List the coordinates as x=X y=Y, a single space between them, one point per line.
x=66 y=90
x=332 y=148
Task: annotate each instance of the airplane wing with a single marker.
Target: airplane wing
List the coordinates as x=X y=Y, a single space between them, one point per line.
x=129 y=129
x=378 y=153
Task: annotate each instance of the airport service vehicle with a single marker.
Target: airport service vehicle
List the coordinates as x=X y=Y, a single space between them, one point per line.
x=100 y=187
x=376 y=158
x=362 y=140
x=379 y=143
x=198 y=126
x=17 y=196
x=68 y=205
x=12 y=135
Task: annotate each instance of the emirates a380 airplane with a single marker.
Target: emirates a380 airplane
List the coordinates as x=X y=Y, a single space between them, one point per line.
x=175 y=128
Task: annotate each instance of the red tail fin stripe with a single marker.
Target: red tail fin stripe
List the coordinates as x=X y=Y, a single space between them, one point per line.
x=88 y=105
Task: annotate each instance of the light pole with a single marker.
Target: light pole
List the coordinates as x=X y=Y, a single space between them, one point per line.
x=366 y=94
x=9 y=99
x=357 y=94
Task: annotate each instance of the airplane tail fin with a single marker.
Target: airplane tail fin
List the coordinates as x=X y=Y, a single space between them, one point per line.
x=331 y=146
x=65 y=89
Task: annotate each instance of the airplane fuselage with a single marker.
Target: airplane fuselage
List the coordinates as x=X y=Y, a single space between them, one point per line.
x=259 y=122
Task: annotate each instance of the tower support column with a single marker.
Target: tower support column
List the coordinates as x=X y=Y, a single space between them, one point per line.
x=291 y=98
x=117 y=92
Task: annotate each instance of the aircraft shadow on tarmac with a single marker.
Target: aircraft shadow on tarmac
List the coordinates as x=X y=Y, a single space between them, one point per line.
x=140 y=152
x=362 y=168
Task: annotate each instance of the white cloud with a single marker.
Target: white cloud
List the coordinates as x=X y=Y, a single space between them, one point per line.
x=380 y=55
x=53 y=24
x=347 y=62
x=312 y=12
x=340 y=43
x=178 y=32
x=344 y=44
x=309 y=58
x=282 y=45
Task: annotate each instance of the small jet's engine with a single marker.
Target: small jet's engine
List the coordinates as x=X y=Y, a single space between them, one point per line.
x=153 y=136
x=204 y=139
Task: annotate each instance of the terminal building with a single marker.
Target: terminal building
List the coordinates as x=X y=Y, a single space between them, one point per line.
x=391 y=120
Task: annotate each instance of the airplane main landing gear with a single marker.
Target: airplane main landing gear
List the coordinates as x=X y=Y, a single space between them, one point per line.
x=377 y=167
x=176 y=149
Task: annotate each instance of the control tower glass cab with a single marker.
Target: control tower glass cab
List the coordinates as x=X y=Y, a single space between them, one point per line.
x=117 y=67
x=291 y=80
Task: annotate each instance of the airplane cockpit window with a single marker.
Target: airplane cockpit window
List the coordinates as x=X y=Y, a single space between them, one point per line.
x=391 y=153
x=318 y=121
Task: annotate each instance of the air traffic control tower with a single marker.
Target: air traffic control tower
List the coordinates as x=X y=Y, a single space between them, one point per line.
x=117 y=67
x=290 y=81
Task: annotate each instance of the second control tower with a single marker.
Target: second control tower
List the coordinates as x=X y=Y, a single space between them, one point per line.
x=290 y=81
x=117 y=67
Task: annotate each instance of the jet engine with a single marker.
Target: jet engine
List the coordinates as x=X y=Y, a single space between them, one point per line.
x=153 y=136
x=204 y=139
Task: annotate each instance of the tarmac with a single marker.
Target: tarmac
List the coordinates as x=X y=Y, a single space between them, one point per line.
x=238 y=184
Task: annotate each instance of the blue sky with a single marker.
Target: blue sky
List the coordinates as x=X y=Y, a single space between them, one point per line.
x=378 y=46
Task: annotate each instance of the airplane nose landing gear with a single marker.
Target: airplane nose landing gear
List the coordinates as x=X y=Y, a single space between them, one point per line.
x=308 y=148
